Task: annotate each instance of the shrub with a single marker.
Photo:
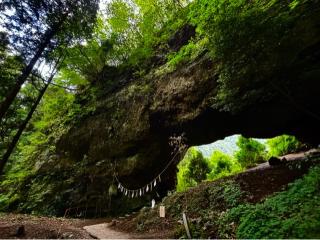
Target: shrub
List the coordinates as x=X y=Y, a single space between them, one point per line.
x=250 y=152
x=283 y=145
x=222 y=165
x=192 y=169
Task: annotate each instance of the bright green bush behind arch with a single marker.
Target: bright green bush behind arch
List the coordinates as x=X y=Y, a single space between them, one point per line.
x=221 y=165
x=250 y=152
x=191 y=170
x=283 y=145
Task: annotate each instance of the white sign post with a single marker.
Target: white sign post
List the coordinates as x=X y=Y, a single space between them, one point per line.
x=162 y=211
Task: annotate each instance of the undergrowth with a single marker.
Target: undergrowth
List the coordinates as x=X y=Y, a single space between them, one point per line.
x=294 y=213
x=204 y=207
x=221 y=210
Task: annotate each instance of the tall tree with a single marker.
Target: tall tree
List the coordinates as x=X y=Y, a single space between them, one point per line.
x=39 y=26
x=10 y=68
x=23 y=125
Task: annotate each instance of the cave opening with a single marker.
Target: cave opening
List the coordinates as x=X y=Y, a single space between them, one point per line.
x=231 y=155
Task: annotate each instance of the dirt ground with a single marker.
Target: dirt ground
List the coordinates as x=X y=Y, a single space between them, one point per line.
x=28 y=226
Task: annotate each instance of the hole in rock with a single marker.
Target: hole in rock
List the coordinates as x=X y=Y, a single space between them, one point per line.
x=232 y=155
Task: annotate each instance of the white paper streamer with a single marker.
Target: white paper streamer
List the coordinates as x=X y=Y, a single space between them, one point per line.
x=139 y=192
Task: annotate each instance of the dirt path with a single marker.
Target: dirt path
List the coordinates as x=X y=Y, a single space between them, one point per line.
x=103 y=231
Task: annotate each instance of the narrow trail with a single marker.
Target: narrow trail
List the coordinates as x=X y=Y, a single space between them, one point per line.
x=103 y=231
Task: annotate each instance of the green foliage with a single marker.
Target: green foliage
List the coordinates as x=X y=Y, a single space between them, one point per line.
x=247 y=41
x=20 y=189
x=227 y=222
x=52 y=113
x=187 y=53
x=229 y=191
x=138 y=26
x=221 y=211
x=294 y=213
x=205 y=206
x=10 y=68
x=60 y=21
x=222 y=165
x=250 y=152
x=283 y=145
x=192 y=169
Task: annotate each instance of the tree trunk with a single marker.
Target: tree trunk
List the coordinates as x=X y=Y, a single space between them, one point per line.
x=4 y=106
x=17 y=136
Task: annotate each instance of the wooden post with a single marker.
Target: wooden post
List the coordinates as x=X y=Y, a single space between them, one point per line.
x=186 y=225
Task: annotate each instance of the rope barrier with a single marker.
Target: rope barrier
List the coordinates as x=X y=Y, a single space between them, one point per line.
x=131 y=193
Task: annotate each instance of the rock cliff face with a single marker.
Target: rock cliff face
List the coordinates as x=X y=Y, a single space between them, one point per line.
x=128 y=132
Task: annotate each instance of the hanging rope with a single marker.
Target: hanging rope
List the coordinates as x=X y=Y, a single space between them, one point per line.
x=131 y=193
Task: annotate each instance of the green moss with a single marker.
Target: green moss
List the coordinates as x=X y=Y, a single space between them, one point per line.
x=141 y=89
x=187 y=53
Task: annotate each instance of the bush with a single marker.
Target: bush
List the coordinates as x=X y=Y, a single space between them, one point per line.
x=251 y=152
x=283 y=145
x=192 y=169
x=222 y=165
